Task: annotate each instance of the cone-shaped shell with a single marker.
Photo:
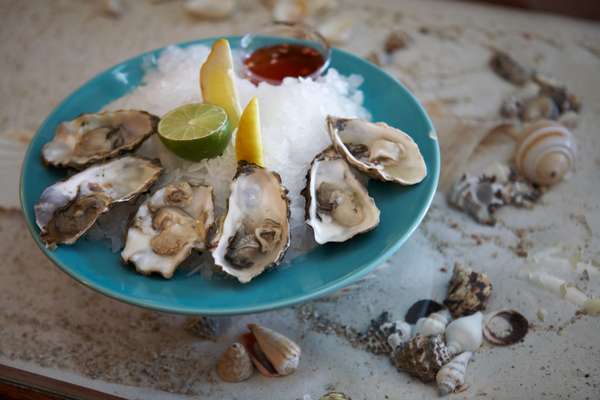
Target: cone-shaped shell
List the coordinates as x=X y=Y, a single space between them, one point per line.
x=465 y=334
x=452 y=374
x=379 y=150
x=281 y=352
x=235 y=364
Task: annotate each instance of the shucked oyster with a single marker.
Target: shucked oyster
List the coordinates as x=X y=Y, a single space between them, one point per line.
x=383 y=152
x=167 y=226
x=67 y=209
x=95 y=137
x=337 y=205
x=254 y=234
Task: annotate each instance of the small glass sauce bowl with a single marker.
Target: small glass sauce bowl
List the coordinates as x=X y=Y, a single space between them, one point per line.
x=281 y=49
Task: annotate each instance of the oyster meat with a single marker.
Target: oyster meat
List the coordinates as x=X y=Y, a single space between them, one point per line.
x=337 y=205
x=90 y=138
x=254 y=233
x=379 y=150
x=168 y=226
x=67 y=209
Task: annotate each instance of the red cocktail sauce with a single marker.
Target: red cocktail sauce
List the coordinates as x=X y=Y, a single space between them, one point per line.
x=273 y=63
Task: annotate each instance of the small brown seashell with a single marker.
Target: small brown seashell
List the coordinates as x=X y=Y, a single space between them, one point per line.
x=235 y=365
x=396 y=40
x=272 y=353
x=518 y=328
x=422 y=356
x=509 y=69
x=468 y=291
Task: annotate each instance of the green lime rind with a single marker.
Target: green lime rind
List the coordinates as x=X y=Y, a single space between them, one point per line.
x=196 y=131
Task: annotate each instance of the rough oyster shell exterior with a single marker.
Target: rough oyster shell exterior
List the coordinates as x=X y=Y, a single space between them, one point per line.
x=422 y=357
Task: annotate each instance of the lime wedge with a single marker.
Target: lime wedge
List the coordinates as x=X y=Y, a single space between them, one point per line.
x=195 y=131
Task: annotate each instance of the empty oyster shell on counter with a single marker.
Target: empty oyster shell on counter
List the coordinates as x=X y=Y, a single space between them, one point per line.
x=254 y=234
x=422 y=356
x=481 y=196
x=210 y=9
x=452 y=375
x=516 y=332
x=379 y=150
x=272 y=353
x=338 y=206
x=67 y=209
x=235 y=364
x=168 y=226
x=545 y=153
x=468 y=291
x=90 y=138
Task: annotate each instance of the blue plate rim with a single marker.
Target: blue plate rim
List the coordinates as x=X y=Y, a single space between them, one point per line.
x=239 y=310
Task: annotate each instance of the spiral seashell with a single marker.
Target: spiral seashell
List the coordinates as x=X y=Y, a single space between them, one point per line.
x=545 y=153
x=434 y=324
x=272 y=353
x=422 y=356
x=235 y=365
x=452 y=375
x=468 y=291
x=464 y=334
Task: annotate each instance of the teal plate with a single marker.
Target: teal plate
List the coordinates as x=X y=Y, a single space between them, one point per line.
x=320 y=271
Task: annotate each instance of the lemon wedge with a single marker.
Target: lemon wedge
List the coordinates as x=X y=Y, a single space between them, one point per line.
x=248 y=143
x=217 y=83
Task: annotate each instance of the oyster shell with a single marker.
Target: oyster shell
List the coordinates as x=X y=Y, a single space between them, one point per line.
x=235 y=364
x=422 y=356
x=272 y=353
x=379 y=150
x=468 y=291
x=90 y=138
x=168 y=226
x=254 y=234
x=67 y=209
x=337 y=205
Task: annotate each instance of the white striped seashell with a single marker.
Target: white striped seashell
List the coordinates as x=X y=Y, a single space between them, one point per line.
x=235 y=364
x=434 y=324
x=545 y=152
x=210 y=9
x=273 y=354
x=452 y=375
x=290 y=10
x=465 y=334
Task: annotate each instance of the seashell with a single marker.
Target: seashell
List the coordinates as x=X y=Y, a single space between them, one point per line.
x=337 y=29
x=334 y=396
x=591 y=307
x=112 y=8
x=452 y=375
x=518 y=328
x=421 y=308
x=422 y=356
x=545 y=152
x=383 y=335
x=401 y=333
x=434 y=324
x=468 y=291
x=565 y=100
x=539 y=107
x=464 y=334
x=210 y=9
x=290 y=10
x=235 y=364
x=509 y=69
x=396 y=40
x=272 y=353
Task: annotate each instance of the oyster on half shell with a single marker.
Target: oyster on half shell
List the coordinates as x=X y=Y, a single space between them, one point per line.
x=379 y=150
x=338 y=206
x=90 y=138
x=67 y=209
x=168 y=226
x=254 y=233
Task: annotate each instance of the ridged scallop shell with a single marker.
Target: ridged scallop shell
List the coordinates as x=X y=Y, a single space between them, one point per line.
x=273 y=354
x=452 y=375
x=545 y=153
x=422 y=356
x=235 y=364
x=468 y=291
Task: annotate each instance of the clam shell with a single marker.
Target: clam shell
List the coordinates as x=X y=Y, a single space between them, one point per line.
x=282 y=353
x=518 y=323
x=235 y=364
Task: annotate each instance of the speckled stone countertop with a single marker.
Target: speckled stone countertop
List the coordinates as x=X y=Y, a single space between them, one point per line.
x=52 y=325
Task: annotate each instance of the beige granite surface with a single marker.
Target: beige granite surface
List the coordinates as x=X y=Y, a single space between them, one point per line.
x=52 y=325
